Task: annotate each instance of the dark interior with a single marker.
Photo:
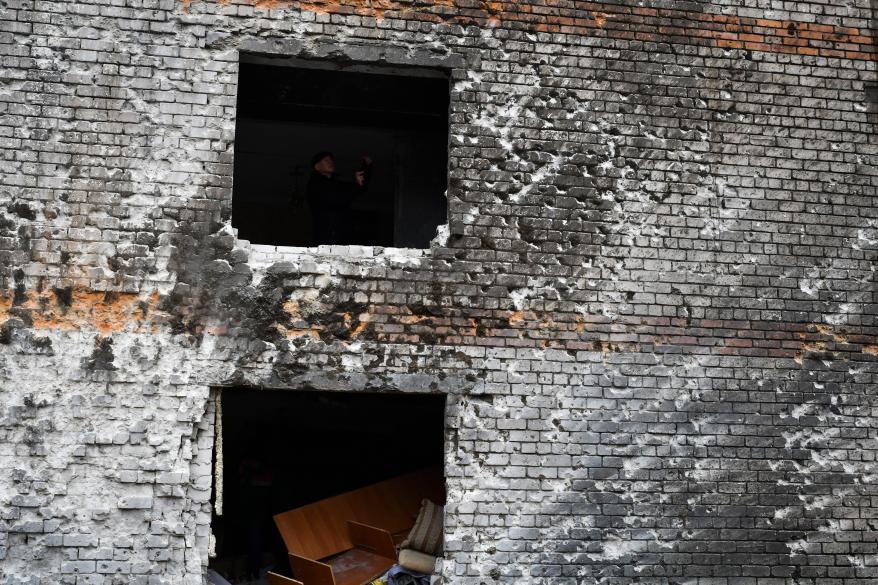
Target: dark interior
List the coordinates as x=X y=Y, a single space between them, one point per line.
x=285 y=115
x=284 y=449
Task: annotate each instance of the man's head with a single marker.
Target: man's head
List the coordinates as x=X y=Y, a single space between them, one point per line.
x=324 y=163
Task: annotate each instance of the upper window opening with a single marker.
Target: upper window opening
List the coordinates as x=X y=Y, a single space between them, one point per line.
x=340 y=156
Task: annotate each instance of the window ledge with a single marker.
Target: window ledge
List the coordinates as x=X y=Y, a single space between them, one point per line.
x=263 y=255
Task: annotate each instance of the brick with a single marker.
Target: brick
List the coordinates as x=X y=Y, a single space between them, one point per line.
x=652 y=316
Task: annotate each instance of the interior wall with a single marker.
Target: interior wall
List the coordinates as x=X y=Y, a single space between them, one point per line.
x=423 y=158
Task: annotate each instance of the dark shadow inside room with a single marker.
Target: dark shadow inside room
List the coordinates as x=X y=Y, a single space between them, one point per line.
x=390 y=123
x=280 y=450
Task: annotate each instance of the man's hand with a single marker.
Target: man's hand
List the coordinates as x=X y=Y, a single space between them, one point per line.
x=360 y=176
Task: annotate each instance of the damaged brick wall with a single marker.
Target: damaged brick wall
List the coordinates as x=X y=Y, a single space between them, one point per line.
x=654 y=312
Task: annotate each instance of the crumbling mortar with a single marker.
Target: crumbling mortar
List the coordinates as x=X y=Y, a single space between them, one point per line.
x=583 y=273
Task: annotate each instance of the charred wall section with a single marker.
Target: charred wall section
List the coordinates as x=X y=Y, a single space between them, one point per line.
x=652 y=311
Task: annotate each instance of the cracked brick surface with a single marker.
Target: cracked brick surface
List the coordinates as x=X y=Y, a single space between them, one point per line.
x=653 y=312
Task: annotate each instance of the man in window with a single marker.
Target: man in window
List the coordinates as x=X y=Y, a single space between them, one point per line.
x=330 y=198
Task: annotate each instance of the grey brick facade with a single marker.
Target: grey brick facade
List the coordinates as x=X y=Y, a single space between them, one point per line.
x=653 y=316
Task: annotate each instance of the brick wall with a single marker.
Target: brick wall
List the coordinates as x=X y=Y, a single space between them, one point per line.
x=654 y=315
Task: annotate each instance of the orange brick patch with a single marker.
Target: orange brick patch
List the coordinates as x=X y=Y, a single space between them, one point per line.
x=106 y=312
x=612 y=21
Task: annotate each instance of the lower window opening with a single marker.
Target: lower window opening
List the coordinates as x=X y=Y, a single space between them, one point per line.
x=350 y=483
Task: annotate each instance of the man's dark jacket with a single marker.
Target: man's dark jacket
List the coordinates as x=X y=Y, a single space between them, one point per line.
x=330 y=201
